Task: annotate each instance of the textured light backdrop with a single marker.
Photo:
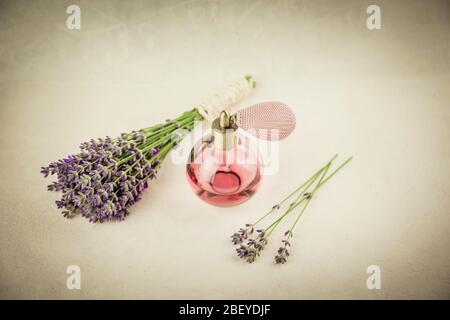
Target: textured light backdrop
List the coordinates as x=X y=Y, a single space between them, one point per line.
x=381 y=96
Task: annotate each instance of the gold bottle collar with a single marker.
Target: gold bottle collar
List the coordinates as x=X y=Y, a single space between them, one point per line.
x=224 y=130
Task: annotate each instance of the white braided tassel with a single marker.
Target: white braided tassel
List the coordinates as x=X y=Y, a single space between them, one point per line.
x=233 y=94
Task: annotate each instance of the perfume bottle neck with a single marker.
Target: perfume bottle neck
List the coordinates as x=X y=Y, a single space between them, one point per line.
x=224 y=140
x=224 y=131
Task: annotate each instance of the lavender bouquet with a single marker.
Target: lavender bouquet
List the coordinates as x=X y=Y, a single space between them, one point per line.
x=109 y=175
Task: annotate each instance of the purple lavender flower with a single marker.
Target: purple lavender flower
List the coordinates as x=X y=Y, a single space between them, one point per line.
x=243 y=233
x=108 y=176
x=283 y=251
x=253 y=247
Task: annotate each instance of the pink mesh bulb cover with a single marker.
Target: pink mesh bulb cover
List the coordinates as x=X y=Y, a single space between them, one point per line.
x=272 y=120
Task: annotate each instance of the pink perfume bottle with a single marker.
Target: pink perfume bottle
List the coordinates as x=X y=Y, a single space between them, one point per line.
x=223 y=169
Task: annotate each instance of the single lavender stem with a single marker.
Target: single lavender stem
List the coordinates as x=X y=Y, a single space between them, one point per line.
x=309 y=199
x=313 y=177
x=303 y=188
x=293 y=205
x=282 y=252
x=325 y=167
x=317 y=173
x=336 y=171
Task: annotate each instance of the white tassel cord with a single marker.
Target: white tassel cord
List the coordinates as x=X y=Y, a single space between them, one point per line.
x=233 y=94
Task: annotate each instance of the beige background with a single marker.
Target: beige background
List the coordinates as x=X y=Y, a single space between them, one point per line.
x=381 y=96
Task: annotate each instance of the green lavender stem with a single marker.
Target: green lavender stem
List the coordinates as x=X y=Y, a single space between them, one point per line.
x=294 y=204
x=309 y=198
x=300 y=191
x=283 y=252
x=301 y=198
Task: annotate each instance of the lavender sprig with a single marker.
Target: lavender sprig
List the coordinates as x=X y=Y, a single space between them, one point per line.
x=242 y=234
x=283 y=251
x=253 y=247
x=108 y=175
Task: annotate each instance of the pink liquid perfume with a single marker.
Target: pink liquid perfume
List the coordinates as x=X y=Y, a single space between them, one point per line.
x=223 y=170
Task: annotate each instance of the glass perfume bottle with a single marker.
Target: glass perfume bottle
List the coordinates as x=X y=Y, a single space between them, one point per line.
x=223 y=168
